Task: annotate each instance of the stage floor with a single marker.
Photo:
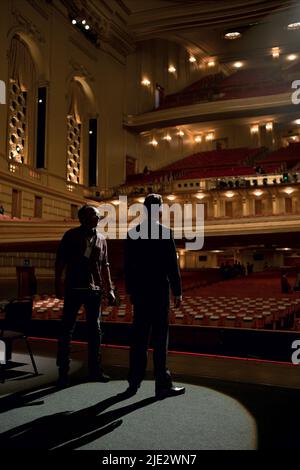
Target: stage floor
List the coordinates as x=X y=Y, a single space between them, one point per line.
x=220 y=410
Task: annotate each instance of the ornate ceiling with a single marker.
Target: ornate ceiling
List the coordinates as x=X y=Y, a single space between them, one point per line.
x=196 y=24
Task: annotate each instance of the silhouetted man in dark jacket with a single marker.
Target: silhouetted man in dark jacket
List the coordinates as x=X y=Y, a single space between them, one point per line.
x=82 y=253
x=151 y=268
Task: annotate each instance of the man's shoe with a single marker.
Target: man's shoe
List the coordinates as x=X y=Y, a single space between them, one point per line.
x=162 y=393
x=63 y=381
x=130 y=391
x=101 y=377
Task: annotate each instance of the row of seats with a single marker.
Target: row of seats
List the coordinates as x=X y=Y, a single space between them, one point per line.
x=222 y=162
x=240 y=84
x=289 y=155
x=219 y=172
x=207 y=311
x=216 y=158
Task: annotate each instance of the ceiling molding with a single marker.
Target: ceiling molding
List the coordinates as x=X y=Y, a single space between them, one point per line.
x=156 y=21
x=79 y=69
x=107 y=23
x=37 y=7
x=28 y=26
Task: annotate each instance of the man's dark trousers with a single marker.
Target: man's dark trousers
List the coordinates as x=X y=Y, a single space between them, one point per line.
x=74 y=298
x=149 y=316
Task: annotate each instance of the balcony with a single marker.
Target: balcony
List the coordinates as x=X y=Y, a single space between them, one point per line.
x=210 y=110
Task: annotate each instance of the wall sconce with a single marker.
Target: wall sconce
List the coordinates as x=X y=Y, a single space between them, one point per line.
x=210 y=136
x=229 y=194
x=198 y=139
x=258 y=192
x=172 y=69
x=269 y=126
x=254 y=129
x=200 y=195
x=180 y=133
x=146 y=82
x=171 y=197
x=288 y=190
x=70 y=188
x=167 y=137
x=153 y=142
x=275 y=52
x=192 y=59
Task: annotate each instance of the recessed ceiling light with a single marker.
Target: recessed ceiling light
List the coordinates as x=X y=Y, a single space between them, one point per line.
x=83 y=21
x=238 y=65
x=293 y=26
x=87 y=26
x=232 y=35
x=74 y=22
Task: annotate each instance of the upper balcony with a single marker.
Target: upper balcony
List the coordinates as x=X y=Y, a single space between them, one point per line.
x=214 y=97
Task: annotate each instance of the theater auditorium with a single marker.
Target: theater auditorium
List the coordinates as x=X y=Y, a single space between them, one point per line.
x=103 y=102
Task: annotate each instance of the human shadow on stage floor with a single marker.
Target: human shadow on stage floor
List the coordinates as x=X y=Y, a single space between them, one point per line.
x=69 y=430
x=25 y=397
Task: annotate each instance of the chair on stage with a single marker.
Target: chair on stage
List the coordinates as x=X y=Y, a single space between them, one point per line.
x=16 y=324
